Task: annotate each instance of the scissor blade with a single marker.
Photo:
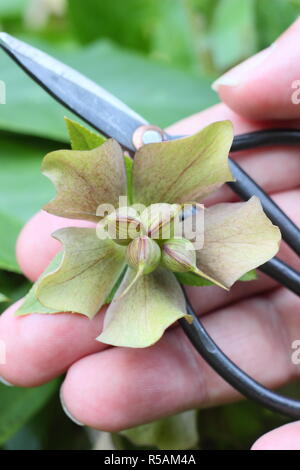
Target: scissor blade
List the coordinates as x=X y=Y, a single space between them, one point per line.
x=81 y=95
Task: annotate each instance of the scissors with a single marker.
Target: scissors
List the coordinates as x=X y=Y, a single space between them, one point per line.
x=108 y=115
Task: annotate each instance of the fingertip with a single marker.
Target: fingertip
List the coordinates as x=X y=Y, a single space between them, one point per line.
x=264 y=86
x=39 y=347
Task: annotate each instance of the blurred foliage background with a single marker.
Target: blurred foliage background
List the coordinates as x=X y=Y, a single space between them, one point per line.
x=160 y=57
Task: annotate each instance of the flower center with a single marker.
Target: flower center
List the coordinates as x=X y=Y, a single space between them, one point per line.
x=150 y=236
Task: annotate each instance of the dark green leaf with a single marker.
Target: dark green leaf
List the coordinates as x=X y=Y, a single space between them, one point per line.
x=3 y=298
x=127 y=23
x=24 y=190
x=50 y=429
x=271 y=22
x=17 y=405
x=10 y=226
x=147 y=27
x=233 y=33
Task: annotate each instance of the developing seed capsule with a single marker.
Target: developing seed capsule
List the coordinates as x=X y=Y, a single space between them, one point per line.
x=179 y=255
x=123 y=225
x=143 y=254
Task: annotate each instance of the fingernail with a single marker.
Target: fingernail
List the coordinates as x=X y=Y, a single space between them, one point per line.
x=5 y=382
x=241 y=72
x=67 y=412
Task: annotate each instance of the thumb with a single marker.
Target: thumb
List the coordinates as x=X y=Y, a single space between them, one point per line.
x=266 y=86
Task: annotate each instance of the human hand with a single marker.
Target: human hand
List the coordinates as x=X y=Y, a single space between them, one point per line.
x=255 y=324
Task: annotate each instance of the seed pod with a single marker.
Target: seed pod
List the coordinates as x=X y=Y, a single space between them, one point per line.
x=123 y=226
x=179 y=255
x=143 y=254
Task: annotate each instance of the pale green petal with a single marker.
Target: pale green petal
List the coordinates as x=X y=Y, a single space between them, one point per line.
x=183 y=170
x=238 y=237
x=88 y=272
x=85 y=179
x=140 y=318
x=31 y=304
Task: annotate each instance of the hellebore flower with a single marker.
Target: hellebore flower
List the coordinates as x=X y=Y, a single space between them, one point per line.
x=135 y=256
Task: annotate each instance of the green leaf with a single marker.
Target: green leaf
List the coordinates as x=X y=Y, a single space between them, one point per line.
x=271 y=22
x=249 y=276
x=9 y=228
x=81 y=137
x=232 y=35
x=140 y=318
x=127 y=23
x=18 y=405
x=183 y=170
x=191 y=279
x=163 y=96
x=12 y=9
x=23 y=189
x=86 y=275
x=31 y=303
x=180 y=49
x=177 y=432
x=3 y=298
x=146 y=29
x=86 y=179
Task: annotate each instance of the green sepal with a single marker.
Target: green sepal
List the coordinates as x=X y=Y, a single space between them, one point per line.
x=249 y=276
x=31 y=303
x=81 y=137
x=116 y=286
x=192 y=279
x=129 y=170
